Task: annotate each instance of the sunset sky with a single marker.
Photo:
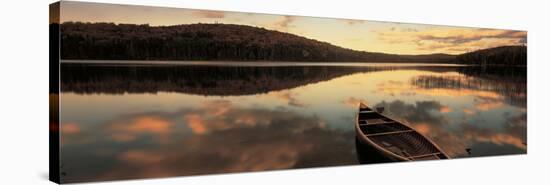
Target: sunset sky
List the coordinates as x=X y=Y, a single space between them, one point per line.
x=373 y=36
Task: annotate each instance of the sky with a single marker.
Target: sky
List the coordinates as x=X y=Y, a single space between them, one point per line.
x=362 y=35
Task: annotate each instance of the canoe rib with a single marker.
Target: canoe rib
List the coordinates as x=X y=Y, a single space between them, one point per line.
x=393 y=138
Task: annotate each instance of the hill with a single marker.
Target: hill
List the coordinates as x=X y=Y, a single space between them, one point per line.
x=503 y=55
x=108 y=41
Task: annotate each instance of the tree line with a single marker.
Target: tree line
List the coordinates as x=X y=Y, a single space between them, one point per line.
x=503 y=55
x=109 y=41
x=230 y=42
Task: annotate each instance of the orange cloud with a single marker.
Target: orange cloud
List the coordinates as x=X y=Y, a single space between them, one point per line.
x=288 y=97
x=455 y=142
x=149 y=124
x=218 y=115
x=504 y=139
x=422 y=128
x=445 y=109
x=510 y=137
x=283 y=140
x=453 y=40
x=458 y=93
x=462 y=35
x=196 y=123
x=68 y=131
x=488 y=104
x=70 y=128
x=127 y=130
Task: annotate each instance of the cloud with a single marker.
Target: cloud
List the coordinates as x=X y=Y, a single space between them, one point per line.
x=409 y=30
x=456 y=40
x=486 y=104
x=284 y=23
x=421 y=111
x=237 y=140
x=424 y=117
x=354 y=102
x=69 y=133
x=129 y=128
x=70 y=128
x=461 y=37
x=445 y=109
x=288 y=97
x=196 y=123
x=209 y=14
x=352 y=22
x=468 y=111
x=217 y=107
x=514 y=132
x=221 y=137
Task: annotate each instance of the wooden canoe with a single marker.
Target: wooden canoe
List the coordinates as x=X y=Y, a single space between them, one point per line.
x=393 y=139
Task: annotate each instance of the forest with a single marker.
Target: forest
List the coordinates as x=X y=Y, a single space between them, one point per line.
x=503 y=55
x=229 y=42
x=109 y=41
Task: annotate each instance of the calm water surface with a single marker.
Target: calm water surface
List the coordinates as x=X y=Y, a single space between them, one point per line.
x=139 y=121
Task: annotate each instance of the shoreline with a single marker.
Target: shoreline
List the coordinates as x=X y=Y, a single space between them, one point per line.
x=255 y=63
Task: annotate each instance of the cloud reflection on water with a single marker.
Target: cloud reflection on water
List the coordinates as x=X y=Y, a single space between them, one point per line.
x=140 y=135
x=214 y=138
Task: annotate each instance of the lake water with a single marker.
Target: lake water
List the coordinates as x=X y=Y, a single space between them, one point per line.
x=128 y=120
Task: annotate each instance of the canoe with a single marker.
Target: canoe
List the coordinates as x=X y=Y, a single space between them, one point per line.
x=392 y=139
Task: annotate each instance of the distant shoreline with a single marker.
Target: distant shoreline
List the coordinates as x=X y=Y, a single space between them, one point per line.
x=255 y=63
x=231 y=42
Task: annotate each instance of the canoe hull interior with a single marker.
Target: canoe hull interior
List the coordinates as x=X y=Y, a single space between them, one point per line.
x=393 y=139
x=367 y=154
